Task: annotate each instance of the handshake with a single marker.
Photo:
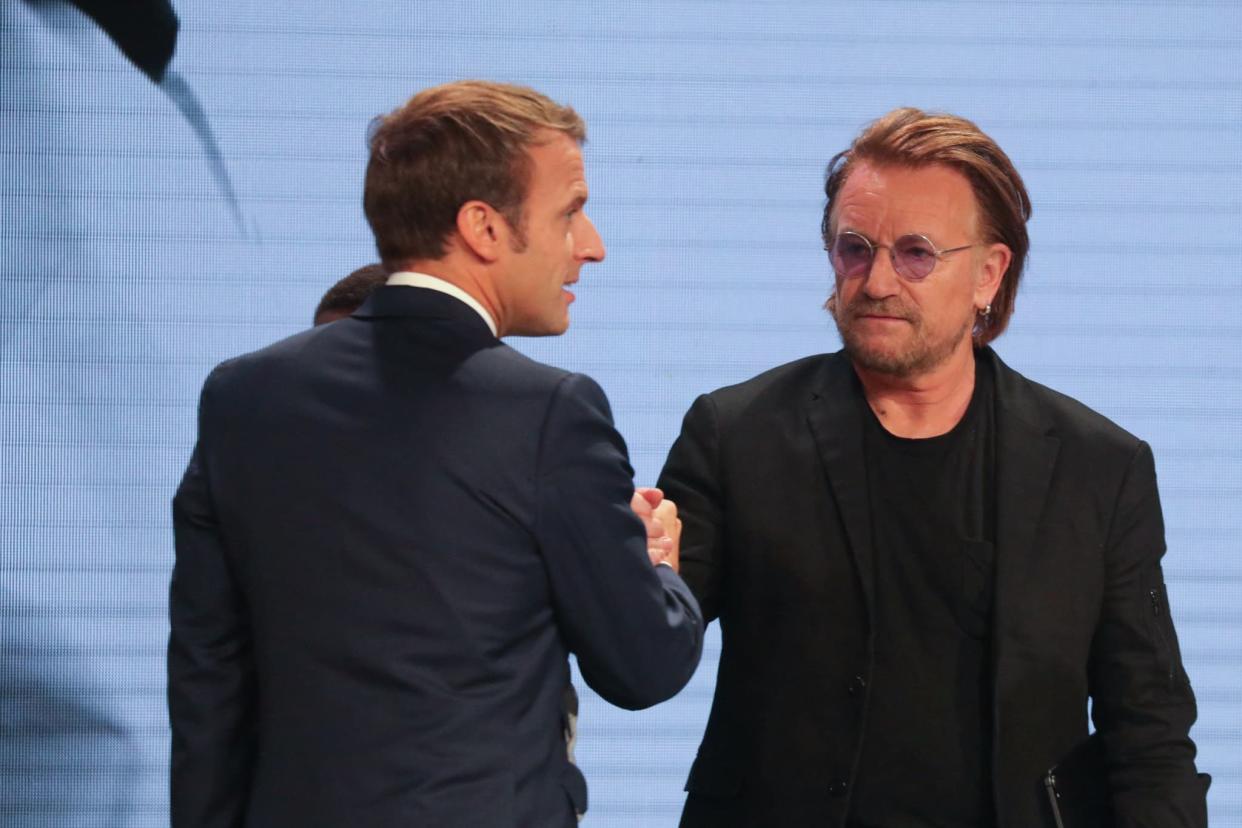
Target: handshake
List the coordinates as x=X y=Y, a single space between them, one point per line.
x=659 y=516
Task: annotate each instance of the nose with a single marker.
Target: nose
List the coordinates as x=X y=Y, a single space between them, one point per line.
x=589 y=242
x=881 y=280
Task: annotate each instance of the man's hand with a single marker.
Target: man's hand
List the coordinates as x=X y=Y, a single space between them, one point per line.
x=659 y=516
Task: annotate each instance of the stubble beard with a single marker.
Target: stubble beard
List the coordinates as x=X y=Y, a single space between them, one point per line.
x=917 y=354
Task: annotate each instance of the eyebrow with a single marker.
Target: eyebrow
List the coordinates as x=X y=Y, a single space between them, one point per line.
x=918 y=233
x=848 y=229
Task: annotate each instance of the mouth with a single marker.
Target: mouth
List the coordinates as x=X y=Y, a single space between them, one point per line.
x=880 y=317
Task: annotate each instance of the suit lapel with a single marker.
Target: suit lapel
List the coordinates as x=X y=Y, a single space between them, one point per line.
x=835 y=420
x=1026 y=454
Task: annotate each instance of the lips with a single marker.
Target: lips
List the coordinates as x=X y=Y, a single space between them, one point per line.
x=880 y=317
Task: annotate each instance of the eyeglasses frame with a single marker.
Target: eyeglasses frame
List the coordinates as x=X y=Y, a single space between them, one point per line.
x=892 y=257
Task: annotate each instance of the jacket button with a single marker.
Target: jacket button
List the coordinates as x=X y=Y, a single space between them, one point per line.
x=857 y=685
x=838 y=788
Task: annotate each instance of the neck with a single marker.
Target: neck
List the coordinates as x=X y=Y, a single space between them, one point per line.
x=926 y=405
x=472 y=280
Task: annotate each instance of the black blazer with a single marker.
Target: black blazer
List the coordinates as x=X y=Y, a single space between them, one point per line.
x=771 y=483
x=393 y=530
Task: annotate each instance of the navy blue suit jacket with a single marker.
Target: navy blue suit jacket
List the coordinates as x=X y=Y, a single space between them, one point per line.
x=393 y=530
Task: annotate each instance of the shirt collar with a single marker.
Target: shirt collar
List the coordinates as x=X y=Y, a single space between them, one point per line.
x=409 y=278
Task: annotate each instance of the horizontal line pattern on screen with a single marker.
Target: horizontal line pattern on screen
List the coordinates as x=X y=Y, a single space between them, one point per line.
x=713 y=79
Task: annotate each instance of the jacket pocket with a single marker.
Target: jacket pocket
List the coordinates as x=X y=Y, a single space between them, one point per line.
x=1160 y=620
x=709 y=776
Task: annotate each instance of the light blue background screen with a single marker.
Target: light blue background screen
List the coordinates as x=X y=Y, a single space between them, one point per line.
x=148 y=233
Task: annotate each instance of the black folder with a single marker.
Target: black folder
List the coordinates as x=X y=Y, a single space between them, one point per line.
x=1077 y=788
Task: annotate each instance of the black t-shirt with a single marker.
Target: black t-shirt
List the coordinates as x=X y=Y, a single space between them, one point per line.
x=926 y=756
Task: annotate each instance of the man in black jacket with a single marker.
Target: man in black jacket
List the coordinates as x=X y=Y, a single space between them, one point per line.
x=394 y=528
x=923 y=563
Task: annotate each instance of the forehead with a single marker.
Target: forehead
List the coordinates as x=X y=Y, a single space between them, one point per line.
x=891 y=200
x=556 y=165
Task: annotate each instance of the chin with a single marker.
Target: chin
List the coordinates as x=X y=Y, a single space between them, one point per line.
x=542 y=329
x=882 y=362
x=880 y=354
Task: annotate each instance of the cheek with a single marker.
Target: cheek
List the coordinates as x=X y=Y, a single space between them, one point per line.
x=846 y=288
x=947 y=308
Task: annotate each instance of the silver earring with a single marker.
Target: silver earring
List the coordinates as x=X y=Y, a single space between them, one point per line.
x=987 y=310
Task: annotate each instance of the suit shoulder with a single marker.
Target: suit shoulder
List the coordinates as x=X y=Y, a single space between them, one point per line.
x=273 y=359
x=796 y=378
x=1074 y=421
x=530 y=370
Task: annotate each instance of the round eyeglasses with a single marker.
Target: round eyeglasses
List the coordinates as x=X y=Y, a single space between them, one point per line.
x=913 y=256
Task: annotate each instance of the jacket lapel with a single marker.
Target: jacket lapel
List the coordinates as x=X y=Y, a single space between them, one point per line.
x=836 y=422
x=1026 y=454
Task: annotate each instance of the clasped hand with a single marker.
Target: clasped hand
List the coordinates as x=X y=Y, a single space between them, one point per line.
x=659 y=516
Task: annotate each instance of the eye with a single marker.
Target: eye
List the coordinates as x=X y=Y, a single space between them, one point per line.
x=915 y=250
x=851 y=255
x=851 y=247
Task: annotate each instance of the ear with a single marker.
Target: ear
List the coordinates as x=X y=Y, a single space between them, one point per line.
x=482 y=230
x=990 y=274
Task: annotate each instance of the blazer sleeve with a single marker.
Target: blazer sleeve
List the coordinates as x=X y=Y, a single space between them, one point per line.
x=1142 y=703
x=691 y=478
x=636 y=629
x=211 y=677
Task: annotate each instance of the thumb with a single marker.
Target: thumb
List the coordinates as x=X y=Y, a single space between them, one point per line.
x=640 y=505
x=651 y=494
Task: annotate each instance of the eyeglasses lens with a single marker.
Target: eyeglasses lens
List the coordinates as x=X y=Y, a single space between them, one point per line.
x=913 y=257
x=851 y=255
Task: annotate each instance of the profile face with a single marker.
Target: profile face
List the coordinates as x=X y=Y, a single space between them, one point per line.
x=559 y=240
x=890 y=322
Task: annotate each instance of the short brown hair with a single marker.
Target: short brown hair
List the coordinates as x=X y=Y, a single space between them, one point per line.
x=347 y=295
x=448 y=145
x=914 y=138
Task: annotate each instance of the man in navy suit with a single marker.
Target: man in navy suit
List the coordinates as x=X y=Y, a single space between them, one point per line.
x=395 y=528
